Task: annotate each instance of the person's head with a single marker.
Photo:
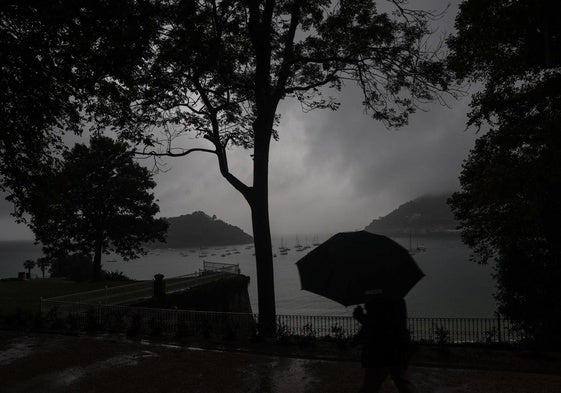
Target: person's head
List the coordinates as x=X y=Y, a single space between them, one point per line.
x=376 y=303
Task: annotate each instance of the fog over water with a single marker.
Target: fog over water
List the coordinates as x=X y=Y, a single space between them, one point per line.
x=452 y=287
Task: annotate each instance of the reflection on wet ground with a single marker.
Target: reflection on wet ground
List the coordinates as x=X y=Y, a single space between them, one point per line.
x=49 y=363
x=18 y=349
x=65 y=378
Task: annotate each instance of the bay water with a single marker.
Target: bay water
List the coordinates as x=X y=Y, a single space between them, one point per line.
x=453 y=286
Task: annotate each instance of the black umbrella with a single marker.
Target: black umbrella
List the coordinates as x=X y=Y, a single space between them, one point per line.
x=350 y=266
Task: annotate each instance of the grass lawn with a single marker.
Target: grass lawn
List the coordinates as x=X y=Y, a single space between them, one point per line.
x=25 y=295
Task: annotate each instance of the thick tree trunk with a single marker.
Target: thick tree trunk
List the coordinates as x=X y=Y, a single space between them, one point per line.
x=259 y=204
x=98 y=248
x=264 y=263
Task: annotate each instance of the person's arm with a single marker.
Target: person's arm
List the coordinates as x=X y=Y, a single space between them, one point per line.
x=358 y=314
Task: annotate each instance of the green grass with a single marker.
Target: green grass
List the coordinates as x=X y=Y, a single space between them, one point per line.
x=25 y=295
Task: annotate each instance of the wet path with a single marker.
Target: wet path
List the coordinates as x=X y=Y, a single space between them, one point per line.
x=82 y=364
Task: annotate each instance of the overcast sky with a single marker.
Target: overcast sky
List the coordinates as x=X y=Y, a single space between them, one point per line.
x=329 y=172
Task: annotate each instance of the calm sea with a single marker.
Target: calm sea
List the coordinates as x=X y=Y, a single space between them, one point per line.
x=453 y=286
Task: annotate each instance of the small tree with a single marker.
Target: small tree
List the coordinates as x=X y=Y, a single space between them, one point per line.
x=43 y=263
x=97 y=202
x=29 y=264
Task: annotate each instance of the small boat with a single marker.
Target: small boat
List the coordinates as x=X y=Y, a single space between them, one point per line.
x=316 y=242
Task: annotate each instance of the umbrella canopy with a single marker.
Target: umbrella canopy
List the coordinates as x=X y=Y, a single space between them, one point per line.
x=350 y=266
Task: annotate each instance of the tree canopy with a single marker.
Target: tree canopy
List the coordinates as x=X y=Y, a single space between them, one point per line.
x=57 y=63
x=218 y=70
x=509 y=206
x=98 y=201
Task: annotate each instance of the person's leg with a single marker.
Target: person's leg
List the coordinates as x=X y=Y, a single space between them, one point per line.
x=402 y=383
x=373 y=379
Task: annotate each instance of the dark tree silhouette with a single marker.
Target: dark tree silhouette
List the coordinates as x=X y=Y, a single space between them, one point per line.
x=29 y=264
x=43 y=263
x=509 y=206
x=219 y=69
x=97 y=202
x=55 y=63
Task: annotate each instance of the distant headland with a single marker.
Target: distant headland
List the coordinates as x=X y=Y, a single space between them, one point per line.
x=199 y=229
x=426 y=215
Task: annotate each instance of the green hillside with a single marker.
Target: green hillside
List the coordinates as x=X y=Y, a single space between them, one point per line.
x=199 y=229
x=425 y=215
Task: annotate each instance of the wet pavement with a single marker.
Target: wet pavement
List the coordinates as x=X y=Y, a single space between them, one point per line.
x=52 y=363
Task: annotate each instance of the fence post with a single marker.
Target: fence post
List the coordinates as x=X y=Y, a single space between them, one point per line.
x=159 y=288
x=499 y=329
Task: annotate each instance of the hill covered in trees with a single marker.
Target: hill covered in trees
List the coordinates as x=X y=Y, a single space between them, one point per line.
x=428 y=214
x=199 y=229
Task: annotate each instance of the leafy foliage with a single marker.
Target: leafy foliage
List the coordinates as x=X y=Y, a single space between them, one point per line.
x=98 y=201
x=218 y=70
x=57 y=65
x=509 y=206
x=198 y=229
x=29 y=264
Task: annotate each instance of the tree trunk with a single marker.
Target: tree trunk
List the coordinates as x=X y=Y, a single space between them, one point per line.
x=259 y=204
x=264 y=264
x=98 y=248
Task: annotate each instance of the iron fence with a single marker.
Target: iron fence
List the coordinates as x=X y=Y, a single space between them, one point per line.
x=221 y=267
x=171 y=322
x=134 y=292
x=140 y=321
x=463 y=330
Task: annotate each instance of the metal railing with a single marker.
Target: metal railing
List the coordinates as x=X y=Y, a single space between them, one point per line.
x=140 y=321
x=221 y=267
x=131 y=293
x=183 y=322
x=463 y=330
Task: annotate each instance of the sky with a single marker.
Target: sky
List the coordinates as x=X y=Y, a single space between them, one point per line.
x=329 y=171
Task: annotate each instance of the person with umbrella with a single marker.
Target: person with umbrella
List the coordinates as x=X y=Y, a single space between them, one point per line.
x=386 y=342
x=362 y=267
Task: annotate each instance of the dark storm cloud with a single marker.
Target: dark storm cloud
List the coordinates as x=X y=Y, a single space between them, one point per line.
x=330 y=171
x=422 y=157
x=333 y=171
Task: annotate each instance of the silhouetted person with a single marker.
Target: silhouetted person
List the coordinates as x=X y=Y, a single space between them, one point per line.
x=385 y=343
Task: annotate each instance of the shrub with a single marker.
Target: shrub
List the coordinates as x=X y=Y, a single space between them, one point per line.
x=230 y=330
x=206 y=329
x=53 y=319
x=135 y=326
x=183 y=329
x=339 y=336
x=155 y=327
x=442 y=336
x=92 y=323
x=307 y=337
x=283 y=333
x=72 y=322
x=115 y=276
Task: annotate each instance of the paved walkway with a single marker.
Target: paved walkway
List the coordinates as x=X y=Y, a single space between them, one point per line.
x=51 y=363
